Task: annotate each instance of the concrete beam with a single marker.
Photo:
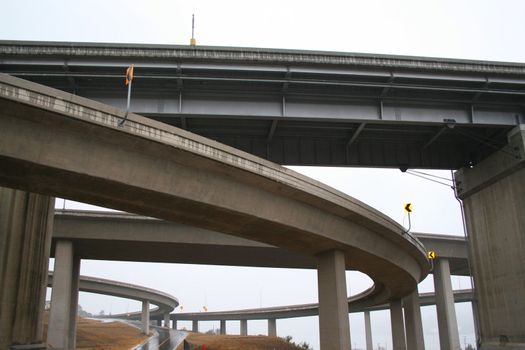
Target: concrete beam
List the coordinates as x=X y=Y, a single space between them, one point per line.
x=446 y=312
x=398 y=325
x=26 y=221
x=334 y=326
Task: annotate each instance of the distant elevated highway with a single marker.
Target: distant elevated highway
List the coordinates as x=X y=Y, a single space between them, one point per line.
x=165 y=302
x=302 y=310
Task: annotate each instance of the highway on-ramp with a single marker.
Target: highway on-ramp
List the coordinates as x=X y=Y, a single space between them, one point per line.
x=59 y=144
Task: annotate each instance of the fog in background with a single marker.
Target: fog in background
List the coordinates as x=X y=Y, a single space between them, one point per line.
x=482 y=30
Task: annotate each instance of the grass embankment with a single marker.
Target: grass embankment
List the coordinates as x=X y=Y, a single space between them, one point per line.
x=98 y=335
x=236 y=342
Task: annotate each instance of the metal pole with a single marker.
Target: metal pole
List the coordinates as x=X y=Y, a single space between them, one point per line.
x=122 y=121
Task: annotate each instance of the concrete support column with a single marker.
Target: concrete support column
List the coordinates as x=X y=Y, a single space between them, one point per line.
x=145 y=317
x=368 y=331
x=334 y=326
x=398 y=325
x=413 y=323
x=64 y=298
x=73 y=311
x=446 y=312
x=26 y=222
x=493 y=195
x=223 y=327
x=174 y=324
x=167 y=320
x=475 y=315
x=195 y=326
x=244 y=327
x=272 y=327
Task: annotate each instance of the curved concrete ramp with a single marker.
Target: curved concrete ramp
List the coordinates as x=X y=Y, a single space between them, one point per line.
x=302 y=310
x=105 y=235
x=166 y=303
x=62 y=145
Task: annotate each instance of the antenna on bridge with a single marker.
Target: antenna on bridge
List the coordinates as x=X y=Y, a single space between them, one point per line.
x=193 y=42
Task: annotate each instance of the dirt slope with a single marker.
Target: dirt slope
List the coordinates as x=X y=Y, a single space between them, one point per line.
x=236 y=342
x=97 y=335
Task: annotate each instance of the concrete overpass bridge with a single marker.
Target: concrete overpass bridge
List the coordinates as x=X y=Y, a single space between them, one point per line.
x=130 y=234
x=200 y=183
x=105 y=235
x=307 y=108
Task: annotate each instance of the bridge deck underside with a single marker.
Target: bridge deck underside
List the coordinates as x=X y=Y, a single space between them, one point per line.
x=126 y=237
x=305 y=115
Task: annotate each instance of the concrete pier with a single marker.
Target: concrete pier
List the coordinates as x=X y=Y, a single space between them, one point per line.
x=167 y=320
x=145 y=317
x=174 y=324
x=64 y=297
x=26 y=221
x=334 y=326
x=244 y=327
x=398 y=325
x=368 y=331
x=223 y=327
x=272 y=327
x=493 y=194
x=446 y=312
x=195 y=326
x=413 y=322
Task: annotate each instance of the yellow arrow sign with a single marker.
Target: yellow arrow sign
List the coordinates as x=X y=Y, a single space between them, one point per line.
x=431 y=255
x=408 y=207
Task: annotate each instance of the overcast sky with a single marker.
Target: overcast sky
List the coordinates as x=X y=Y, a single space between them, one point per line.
x=484 y=30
